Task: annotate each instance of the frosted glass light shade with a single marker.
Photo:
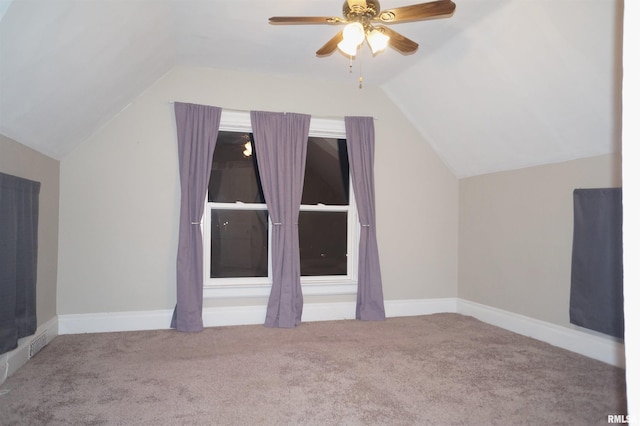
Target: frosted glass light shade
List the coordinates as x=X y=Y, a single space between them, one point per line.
x=348 y=48
x=377 y=40
x=353 y=33
x=352 y=37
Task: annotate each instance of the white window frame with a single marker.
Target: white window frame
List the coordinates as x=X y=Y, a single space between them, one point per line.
x=240 y=121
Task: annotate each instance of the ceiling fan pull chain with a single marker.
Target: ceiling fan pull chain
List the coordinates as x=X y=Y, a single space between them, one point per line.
x=360 y=79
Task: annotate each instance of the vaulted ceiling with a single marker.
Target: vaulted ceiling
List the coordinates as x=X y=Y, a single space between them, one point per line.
x=502 y=84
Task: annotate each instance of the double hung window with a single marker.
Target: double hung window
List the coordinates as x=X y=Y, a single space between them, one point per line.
x=237 y=227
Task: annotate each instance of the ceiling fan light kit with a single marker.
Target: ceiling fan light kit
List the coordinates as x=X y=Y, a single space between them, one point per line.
x=352 y=38
x=363 y=20
x=354 y=34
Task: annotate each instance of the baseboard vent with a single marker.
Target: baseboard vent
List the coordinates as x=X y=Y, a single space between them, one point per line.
x=4 y=372
x=37 y=344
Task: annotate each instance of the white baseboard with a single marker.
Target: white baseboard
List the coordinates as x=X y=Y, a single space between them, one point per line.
x=104 y=322
x=11 y=361
x=415 y=307
x=239 y=315
x=602 y=348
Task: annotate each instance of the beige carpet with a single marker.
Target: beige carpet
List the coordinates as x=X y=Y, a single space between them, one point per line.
x=443 y=369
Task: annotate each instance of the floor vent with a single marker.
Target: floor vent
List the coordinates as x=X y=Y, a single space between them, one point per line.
x=37 y=344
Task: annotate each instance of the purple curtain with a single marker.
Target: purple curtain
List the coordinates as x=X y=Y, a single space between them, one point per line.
x=596 y=299
x=197 y=127
x=19 y=210
x=360 y=146
x=281 y=151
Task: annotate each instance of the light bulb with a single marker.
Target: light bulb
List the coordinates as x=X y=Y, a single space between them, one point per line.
x=247 y=150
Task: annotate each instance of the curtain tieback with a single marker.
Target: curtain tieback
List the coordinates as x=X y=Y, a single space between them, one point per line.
x=196 y=223
x=280 y=224
x=363 y=224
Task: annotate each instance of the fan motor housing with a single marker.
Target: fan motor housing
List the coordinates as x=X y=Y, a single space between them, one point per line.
x=359 y=13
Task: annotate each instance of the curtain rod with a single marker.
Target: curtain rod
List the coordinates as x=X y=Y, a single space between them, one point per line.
x=324 y=117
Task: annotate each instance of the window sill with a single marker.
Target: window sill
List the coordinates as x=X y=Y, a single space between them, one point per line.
x=263 y=290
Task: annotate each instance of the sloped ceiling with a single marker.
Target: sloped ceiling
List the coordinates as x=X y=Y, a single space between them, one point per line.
x=500 y=85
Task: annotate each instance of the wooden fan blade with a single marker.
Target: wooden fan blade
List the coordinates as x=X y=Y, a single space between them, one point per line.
x=417 y=12
x=305 y=20
x=330 y=46
x=398 y=41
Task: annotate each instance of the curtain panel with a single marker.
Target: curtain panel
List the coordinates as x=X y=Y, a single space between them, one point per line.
x=19 y=210
x=281 y=151
x=596 y=298
x=360 y=146
x=197 y=132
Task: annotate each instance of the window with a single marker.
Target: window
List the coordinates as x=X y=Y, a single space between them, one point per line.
x=236 y=225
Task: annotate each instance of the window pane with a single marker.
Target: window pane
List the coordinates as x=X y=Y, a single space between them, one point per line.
x=239 y=243
x=234 y=173
x=326 y=178
x=323 y=243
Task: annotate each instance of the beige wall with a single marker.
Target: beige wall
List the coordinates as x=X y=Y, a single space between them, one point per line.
x=516 y=231
x=119 y=207
x=119 y=199
x=18 y=160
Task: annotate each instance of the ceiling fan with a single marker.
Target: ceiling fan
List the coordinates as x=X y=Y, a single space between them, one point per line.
x=364 y=19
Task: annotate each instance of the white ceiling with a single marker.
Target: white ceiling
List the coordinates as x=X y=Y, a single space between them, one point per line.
x=502 y=84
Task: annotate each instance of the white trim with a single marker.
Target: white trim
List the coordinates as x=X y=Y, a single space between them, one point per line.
x=11 y=361
x=600 y=347
x=329 y=311
x=105 y=322
x=239 y=315
x=322 y=288
x=263 y=290
x=415 y=307
x=213 y=317
x=240 y=121
x=233 y=315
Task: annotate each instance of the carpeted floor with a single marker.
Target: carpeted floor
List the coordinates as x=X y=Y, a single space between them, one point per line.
x=443 y=369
